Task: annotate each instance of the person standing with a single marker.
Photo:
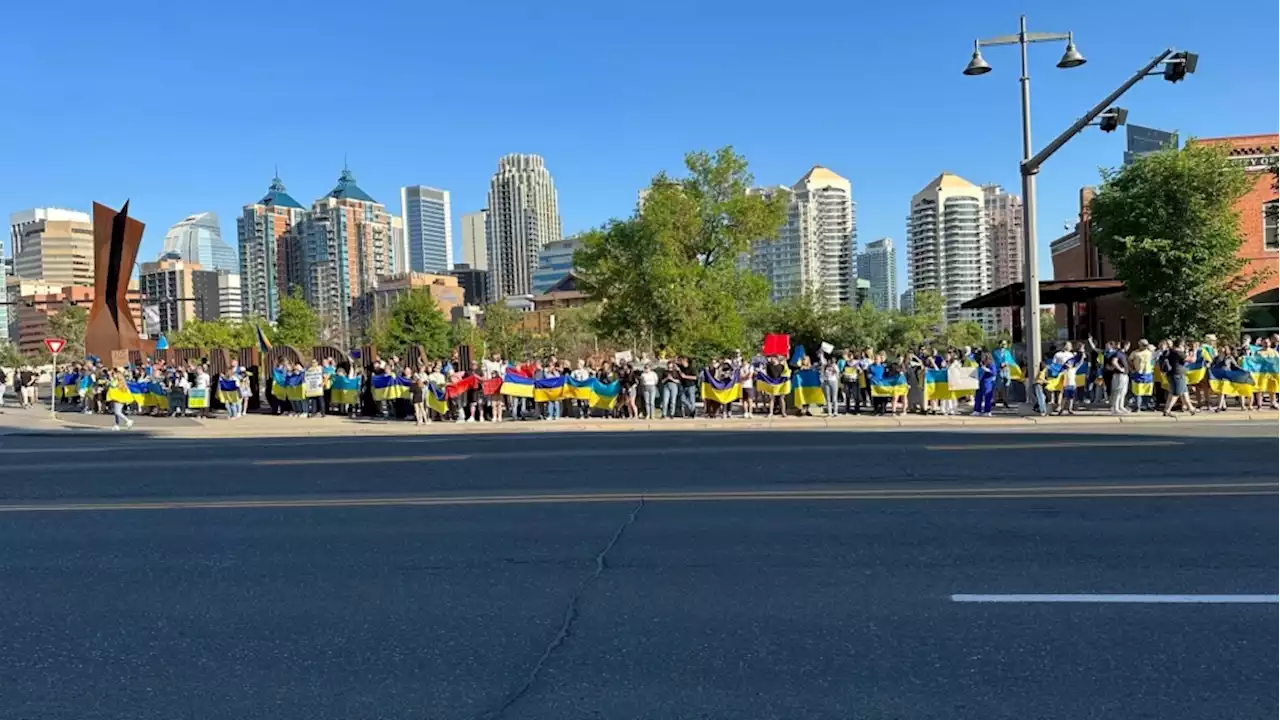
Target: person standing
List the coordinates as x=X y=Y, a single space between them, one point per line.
x=27 y=387
x=418 y=397
x=747 y=376
x=1174 y=366
x=688 y=386
x=117 y=395
x=4 y=379
x=1042 y=379
x=1118 y=368
x=1003 y=358
x=985 y=396
x=313 y=389
x=649 y=391
x=830 y=374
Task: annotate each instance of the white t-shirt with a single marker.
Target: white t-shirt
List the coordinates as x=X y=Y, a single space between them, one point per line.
x=202 y=379
x=649 y=378
x=493 y=369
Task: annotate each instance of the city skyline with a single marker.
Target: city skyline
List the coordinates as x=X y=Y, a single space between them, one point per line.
x=603 y=146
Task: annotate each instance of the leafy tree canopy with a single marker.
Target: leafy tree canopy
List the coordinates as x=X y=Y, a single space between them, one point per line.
x=414 y=318
x=1168 y=225
x=670 y=276
x=296 y=323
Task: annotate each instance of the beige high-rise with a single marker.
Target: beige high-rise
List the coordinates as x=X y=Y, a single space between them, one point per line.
x=947 y=248
x=1004 y=233
x=524 y=215
x=58 y=252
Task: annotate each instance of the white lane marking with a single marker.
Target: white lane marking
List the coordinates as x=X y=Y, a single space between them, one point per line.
x=1120 y=598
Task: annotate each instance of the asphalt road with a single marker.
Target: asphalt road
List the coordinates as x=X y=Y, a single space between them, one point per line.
x=643 y=575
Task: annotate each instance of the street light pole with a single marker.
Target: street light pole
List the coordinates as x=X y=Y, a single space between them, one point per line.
x=1030 y=262
x=1030 y=265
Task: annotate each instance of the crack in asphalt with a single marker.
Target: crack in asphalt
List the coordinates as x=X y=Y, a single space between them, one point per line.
x=570 y=616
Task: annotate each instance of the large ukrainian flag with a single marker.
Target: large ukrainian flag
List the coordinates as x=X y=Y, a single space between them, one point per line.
x=517 y=385
x=119 y=393
x=293 y=386
x=549 y=389
x=228 y=391
x=1232 y=383
x=1196 y=368
x=578 y=389
x=1264 y=365
x=775 y=388
x=138 y=393
x=722 y=392
x=889 y=385
x=437 y=399
x=344 y=390
x=278 y=389
x=806 y=387
x=1141 y=384
x=935 y=385
x=157 y=397
x=383 y=387
x=604 y=397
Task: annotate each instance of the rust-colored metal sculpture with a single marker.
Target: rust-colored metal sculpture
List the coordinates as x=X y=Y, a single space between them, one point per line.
x=116 y=237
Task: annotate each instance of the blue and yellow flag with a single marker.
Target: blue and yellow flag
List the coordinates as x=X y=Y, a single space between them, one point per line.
x=1196 y=368
x=1141 y=384
x=344 y=390
x=577 y=389
x=516 y=385
x=293 y=389
x=766 y=385
x=437 y=399
x=935 y=385
x=1264 y=365
x=138 y=392
x=723 y=392
x=157 y=396
x=264 y=344
x=198 y=398
x=548 y=389
x=604 y=396
x=119 y=393
x=228 y=391
x=278 y=389
x=1232 y=383
x=887 y=385
x=806 y=387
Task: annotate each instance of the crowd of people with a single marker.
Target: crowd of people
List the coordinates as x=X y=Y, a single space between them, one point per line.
x=1195 y=376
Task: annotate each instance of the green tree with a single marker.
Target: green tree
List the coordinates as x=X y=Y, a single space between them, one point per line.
x=69 y=323
x=9 y=355
x=1048 y=326
x=924 y=323
x=1169 y=227
x=963 y=333
x=220 y=333
x=500 y=327
x=414 y=318
x=296 y=323
x=669 y=276
x=804 y=318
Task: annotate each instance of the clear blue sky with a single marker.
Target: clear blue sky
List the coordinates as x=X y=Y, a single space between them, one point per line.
x=186 y=107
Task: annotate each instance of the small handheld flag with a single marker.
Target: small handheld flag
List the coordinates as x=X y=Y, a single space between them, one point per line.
x=264 y=345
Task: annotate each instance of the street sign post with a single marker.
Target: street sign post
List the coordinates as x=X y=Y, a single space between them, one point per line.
x=54 y=345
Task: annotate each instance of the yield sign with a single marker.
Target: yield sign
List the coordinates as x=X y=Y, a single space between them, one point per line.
x=55 y=345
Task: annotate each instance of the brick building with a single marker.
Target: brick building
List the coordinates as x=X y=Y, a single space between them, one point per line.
x=1075 y=257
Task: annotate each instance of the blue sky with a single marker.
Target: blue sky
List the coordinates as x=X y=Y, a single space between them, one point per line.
x=186 y=107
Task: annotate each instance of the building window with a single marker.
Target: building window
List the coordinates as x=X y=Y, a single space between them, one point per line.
x=1270 y=241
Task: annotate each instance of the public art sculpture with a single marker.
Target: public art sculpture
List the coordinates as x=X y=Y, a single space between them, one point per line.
x=111 y=333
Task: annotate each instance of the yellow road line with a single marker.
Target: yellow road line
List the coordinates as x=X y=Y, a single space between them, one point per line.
x=1043 y=492
x=1058 y=445
x=356 y=461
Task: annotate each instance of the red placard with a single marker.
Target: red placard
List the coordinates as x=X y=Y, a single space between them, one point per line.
x=777 y=344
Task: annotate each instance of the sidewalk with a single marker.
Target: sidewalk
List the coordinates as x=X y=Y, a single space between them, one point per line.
x=26 y=422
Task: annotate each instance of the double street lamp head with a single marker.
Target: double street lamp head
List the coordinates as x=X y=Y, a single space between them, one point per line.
x=978 y=65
